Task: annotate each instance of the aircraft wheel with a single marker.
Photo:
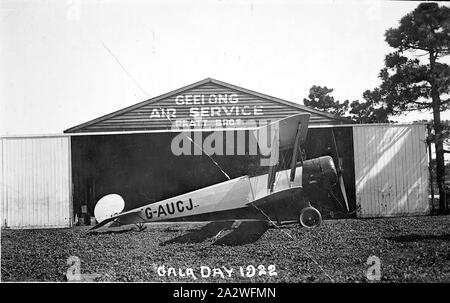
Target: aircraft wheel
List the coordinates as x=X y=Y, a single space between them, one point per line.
x=310 y=217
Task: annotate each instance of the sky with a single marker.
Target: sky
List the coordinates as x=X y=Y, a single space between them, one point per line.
x=67 y=62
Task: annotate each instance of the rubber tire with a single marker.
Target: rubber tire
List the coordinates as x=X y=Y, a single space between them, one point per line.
x=310 y=211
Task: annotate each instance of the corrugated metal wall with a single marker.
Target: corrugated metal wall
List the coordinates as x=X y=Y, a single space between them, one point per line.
x=391 y=170
x=35 y=182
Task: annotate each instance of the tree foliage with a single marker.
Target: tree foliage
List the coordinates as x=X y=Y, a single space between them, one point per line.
x=413 y=77
x=321 y=99
x=373 y=110
x=370 y=111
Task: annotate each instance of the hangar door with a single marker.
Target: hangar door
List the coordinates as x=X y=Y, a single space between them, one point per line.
x=35 y=182
x=391 y=170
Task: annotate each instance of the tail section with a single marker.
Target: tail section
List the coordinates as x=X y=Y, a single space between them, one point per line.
x=108 y=206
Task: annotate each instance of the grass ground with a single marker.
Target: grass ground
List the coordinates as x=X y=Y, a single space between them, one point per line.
x=410 y=249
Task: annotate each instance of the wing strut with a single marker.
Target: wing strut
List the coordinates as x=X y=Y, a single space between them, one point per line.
x=294 y=153
x=300 y=137
x=274 y=156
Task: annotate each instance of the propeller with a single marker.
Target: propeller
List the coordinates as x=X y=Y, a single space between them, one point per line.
x=340 y=170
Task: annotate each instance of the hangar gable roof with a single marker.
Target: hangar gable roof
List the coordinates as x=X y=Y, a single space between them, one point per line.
x=210 y=99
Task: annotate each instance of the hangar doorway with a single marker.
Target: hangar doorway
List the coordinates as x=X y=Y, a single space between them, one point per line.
x=143 y=169
x=320 y=142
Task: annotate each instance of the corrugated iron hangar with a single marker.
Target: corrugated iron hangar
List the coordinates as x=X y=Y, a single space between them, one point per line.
x=48 y=181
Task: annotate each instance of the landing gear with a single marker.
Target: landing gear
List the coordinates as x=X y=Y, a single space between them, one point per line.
x=310 y=217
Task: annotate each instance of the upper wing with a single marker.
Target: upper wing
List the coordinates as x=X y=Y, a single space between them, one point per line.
x=287 y=129
x=284 y=134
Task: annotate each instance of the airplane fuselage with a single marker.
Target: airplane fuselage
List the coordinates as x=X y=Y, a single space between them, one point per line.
x=229 y=199
x=279 y=197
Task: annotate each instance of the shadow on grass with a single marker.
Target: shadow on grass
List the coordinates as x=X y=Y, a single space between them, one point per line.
x=198 y=235
x=110 y=231
x=416 y=237
x=246 y=232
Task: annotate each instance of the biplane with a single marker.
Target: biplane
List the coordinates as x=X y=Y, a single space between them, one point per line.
x=274 y=197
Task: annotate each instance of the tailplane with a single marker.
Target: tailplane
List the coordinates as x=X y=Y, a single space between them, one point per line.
x=108 y=206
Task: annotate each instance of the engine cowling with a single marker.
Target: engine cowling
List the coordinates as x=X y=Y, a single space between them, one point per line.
x=318 y=172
